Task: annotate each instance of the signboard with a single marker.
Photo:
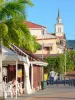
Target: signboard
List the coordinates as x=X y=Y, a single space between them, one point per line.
x=19 y=74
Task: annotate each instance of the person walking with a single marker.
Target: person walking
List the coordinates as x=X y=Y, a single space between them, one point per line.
x=52 y=74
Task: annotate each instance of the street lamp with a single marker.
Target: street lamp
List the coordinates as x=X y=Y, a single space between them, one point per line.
x=65 y=62
x=42 y=33
x=42 y=41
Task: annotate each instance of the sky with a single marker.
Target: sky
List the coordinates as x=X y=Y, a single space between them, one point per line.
x=45 y=13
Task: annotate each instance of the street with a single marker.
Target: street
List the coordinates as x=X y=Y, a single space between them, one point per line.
x=52 y=92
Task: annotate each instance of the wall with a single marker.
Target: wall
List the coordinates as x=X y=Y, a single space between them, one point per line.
x=37 y=32
x=51 y=41
x=37 y=77
x=60 y=50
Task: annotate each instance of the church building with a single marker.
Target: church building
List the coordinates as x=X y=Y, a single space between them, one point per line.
x=51 y=43
x=60 y=35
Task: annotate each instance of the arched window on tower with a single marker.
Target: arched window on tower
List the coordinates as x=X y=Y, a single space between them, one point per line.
x=60 y=29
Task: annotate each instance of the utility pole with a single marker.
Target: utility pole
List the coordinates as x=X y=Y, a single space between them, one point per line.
x=42 y=42
x=42 y=33
x=65 y=62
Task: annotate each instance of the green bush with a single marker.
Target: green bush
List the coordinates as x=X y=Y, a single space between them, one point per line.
x=58 y=62
x=55 y=63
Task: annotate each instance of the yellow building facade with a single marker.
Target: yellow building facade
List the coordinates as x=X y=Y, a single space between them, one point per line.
x=51 y=43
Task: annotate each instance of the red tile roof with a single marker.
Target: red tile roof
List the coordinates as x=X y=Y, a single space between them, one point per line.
x=20 y=52
x=33 y=25
x=60 y=37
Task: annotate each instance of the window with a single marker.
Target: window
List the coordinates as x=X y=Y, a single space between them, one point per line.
x=46 y=48
x=50 y=48
x=43 y=31
x=59 y=29
x=61 y=42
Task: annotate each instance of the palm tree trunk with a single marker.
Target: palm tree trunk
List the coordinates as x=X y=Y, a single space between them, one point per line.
x=1 y=82
x=0 y=45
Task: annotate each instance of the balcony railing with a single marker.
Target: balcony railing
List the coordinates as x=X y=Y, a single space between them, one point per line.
x=47 y=45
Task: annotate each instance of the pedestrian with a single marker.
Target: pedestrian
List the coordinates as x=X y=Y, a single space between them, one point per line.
x=52 y=74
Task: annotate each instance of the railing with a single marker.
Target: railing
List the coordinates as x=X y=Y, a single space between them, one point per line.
x=65 y=81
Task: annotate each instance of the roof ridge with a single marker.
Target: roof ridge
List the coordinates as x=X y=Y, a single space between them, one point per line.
x=35 y=23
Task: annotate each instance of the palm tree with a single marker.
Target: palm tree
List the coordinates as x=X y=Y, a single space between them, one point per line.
x=12 y=14
x=13 y=9
x=22 y=37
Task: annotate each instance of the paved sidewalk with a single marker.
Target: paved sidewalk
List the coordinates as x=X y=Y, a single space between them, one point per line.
x=52 y=92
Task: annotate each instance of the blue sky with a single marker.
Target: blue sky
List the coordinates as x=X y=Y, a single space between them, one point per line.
x=45 y=12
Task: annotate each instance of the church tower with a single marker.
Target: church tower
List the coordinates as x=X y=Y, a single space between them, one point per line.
x=59 y=27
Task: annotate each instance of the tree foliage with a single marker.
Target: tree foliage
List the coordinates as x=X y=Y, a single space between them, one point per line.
x=58 y=62
x=13 y=9
x=55 y=63
x=70 y=60
x=13 y=29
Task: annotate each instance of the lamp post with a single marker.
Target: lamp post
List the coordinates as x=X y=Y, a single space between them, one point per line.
x=65 y=62
x=42 y=33
x=42 y=42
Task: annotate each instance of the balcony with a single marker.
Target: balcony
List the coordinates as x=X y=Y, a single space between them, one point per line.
x=47 y=45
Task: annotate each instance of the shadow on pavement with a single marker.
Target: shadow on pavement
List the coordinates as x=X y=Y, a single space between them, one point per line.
x=55 y=98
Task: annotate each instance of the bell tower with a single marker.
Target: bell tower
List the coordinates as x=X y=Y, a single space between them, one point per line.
x=59 y=27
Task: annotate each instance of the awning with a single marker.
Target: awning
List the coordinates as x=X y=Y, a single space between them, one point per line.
x=8 y=55
x=48 y=45
x=39 y=63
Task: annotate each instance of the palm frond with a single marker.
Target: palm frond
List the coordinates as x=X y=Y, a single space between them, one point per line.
x=12 y=13
x=12 y=10
x=3 y=30
x=1 y=1
x=6 y=41
x=26 y=2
